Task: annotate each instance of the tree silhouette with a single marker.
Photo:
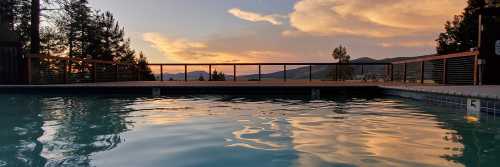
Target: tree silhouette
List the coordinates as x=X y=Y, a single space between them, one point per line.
x=218 y=76
x=461 y=34
x=340 y=54
x=342 y=72
x=145 y=72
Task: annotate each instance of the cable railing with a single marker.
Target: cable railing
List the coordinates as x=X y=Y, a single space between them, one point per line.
x=44 y=69
x=455 y=69
x=376 y=72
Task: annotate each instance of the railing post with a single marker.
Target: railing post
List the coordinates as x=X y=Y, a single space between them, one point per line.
x=94 y=71
x=29 y=70
x=422 y=72
x=476 y=70
x=362 y=69
x=405 y=72
x=363 y=72
x=310 y=73
x=117 y=76
x=161 y=72
x=336 y=72
x=234 y=73
x=260 y=72
x=209 y=72
x=65 y=71
x=340 y=70
x=445 y=71
x=392 y=72
x=284 y=73
x=138 y=73
x=185 y=73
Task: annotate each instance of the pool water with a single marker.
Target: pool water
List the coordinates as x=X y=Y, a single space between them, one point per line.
x=234 y=131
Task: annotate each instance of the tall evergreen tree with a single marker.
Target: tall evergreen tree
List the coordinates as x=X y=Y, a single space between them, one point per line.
x=145 y=72
x=461 y=34
x=108 y=41
x=75 y=23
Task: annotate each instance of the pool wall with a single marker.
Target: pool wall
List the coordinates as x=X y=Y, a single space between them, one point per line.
x=488 y=105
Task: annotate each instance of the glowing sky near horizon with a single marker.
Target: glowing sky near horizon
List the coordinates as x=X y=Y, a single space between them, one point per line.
x=213 y=31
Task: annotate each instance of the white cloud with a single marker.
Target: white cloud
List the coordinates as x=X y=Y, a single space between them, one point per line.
x=255 y=17
x=381 y=18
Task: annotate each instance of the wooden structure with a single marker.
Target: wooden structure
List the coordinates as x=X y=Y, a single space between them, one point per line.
x=12 y=65
x=489 y=43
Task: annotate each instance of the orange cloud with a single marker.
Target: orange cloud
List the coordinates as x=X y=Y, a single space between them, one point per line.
x=381 y=18
x=183 y=50
x=408 y=44
x=255 y=17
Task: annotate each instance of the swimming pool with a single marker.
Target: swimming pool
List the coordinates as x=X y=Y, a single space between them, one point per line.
x=241 y=131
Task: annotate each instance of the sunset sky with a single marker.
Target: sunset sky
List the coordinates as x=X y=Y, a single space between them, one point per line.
x=210 y=31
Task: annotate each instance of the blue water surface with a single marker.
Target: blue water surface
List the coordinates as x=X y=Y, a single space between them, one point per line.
x=185 y=131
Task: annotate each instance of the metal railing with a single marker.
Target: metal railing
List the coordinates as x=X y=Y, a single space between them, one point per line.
x=280 y=71
x=457 y=69
x=43 y=69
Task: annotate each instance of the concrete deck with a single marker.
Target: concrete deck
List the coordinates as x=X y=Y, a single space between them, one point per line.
x=161 y=84
x=489 y=92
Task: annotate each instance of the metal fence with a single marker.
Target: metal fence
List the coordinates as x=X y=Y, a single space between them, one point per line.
x=459 y=69
x=11 y=63
x=455 y=69
x=378 y=72
x=63 y=70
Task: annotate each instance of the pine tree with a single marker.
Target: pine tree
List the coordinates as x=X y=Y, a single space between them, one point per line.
x=75 y=23
x=145 y=72
x=461 y=34
x=108 y=41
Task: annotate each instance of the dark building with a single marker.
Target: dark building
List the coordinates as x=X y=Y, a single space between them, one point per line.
x=490 y=42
